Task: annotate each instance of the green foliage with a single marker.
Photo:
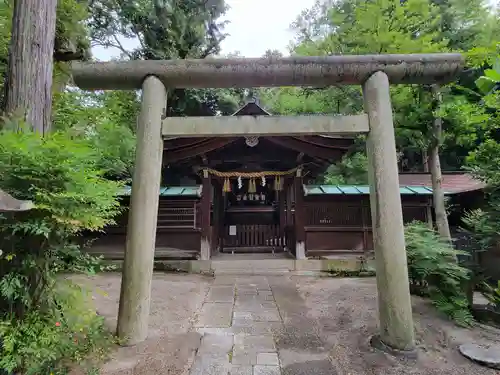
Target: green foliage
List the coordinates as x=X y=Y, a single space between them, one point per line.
x=351 y=170
x=50 y=342
x=168 y=30
x=487 y=83
x=492 y=294
x=434 y=271
x=483 y=164
x=107 y=121
x=60 y=173
x=71 y=36
x=417 y=26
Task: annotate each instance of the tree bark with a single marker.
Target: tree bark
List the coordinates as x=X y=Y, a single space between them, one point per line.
x=425 y=163
x=29 y=79
x=436 y=176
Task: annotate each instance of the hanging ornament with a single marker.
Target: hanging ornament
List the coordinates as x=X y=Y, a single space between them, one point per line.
x=251 y=186
x=227 y=186
x=277 y=183
x=263 y=183
x=240 y=182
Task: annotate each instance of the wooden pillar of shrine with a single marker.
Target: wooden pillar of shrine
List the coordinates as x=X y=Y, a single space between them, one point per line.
x=300 y=234
x=133 y=312
x=206 y=197
x=395 y=313
x=218 y=216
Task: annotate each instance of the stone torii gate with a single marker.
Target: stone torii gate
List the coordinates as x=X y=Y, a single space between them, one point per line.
x=374 y=72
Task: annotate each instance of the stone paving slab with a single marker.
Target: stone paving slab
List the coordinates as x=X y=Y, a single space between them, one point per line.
x=255 y=328
x=209 y=366
x=216 y=344
x=241 y=370
x=243 y=357
x=268 y=359
x=224 y=293
x=260 y=343
x=214 y=314
x=237 y=321
x=266 y=370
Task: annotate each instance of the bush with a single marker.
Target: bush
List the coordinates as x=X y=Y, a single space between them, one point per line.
x=54 y=341
x=60 y=175
x=434 y=271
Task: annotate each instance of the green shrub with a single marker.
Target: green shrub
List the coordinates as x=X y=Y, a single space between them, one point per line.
x=434 y=271
x=60 y=174
x=54 y=341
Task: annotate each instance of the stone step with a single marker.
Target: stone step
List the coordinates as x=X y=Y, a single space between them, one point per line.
x=252 y=250
x=252 y=272
x=262 y=264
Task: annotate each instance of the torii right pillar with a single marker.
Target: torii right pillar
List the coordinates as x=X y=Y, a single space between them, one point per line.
x=394 y=303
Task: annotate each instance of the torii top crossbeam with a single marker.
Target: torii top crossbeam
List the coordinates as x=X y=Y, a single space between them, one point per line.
x=267 y=72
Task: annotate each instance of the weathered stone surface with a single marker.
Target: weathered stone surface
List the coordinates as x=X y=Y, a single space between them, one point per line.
x=244 y=357
x=134 y=306
x=240 y=126
x=268 y=359
x=209 y=366
x=8 y=203
x=255 y=328
x=223 y=293
x=266 y=370
x=216 y=344
x=395 y=313
x=264 y=72
x=259 y=343
x=213 y=355
x=322 y=367
x=242 y=370
x=227 y=331
x=485 y=355
x=215 y=315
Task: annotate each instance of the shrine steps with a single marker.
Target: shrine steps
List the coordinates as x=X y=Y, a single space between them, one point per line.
x=253 y=250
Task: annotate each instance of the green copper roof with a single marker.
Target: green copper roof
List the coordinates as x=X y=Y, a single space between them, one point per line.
x=194 y=191
x=172 y=191
x=361 y=190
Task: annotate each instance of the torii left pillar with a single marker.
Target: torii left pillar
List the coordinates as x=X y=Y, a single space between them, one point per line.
x=135 y=296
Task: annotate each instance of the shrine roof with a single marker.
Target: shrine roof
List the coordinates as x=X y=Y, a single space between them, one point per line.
x=171 y=191
x=360 y=190
x=454 y=182
x=195 y=191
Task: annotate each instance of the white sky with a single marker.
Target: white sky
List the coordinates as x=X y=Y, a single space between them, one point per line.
x=255 y=26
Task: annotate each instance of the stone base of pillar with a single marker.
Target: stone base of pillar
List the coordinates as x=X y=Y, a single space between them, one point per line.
x=205 y=249
x=377 y=343
x=300 y=250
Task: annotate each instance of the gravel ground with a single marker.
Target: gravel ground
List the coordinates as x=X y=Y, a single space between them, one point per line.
x=170 y=347
x=346 y=314
x=325 y=327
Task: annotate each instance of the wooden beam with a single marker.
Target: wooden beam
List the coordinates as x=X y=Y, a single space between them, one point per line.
x=229 y=126
x=315 y=71
x=337 y=143
x=170 y=156
x=308 y=148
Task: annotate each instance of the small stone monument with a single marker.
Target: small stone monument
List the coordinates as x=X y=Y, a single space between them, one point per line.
x=10 y=204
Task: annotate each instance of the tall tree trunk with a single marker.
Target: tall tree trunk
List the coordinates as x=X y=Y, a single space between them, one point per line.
x=425 y=163
x=436 y=176
x=29 y=79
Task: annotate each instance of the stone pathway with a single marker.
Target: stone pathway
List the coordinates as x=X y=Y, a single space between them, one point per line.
x=237 y=321
x=288 y=325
